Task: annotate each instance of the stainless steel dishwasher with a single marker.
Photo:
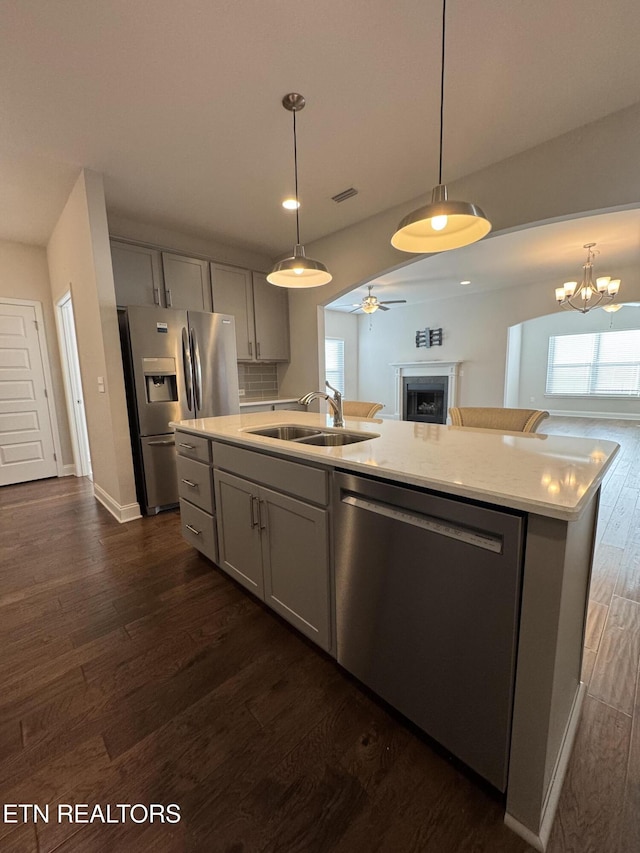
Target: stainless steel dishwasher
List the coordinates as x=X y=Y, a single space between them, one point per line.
x=427 y=604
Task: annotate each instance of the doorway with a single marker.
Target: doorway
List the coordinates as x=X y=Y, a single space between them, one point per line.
x=73 y=386
x=28 y=441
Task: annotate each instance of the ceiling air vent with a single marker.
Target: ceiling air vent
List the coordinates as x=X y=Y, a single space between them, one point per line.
x=344 y=195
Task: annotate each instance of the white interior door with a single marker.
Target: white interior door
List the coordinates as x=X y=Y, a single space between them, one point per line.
x=26 y=436
x=73 y=387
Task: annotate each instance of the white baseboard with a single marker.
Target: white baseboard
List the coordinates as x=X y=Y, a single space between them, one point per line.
x=540 y=839
x=617 y=416
x=129 y=512
x=68 y=471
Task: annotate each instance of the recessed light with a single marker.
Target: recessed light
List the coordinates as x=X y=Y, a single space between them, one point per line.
x=465 y=282
x=291 y=204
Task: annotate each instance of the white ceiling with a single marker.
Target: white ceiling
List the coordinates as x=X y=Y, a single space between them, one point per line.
x=178 y=103
x=547 y=253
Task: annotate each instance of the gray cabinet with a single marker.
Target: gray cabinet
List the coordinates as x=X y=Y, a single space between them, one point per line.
x=261 y=311
x=241 y=551
x=144 y=276
x=295 y=556
x=271 y=313
x=273 y=543
x=233 y=294
x=186 y=283
x=137 y=274
x=195 y=488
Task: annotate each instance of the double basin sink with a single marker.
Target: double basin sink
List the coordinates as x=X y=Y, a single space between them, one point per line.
x=309 y=435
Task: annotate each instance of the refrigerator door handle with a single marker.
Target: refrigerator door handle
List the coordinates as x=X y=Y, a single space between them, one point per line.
x=188 y=370
x=197 y=370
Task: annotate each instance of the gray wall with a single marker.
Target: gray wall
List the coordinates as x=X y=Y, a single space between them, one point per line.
x=475 y=332
x=594 y=168
x=533 y=361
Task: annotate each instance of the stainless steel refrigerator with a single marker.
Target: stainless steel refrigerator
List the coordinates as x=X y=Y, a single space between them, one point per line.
x=178 y=365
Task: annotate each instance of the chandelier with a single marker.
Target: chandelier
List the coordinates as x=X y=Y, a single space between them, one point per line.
x=587 y=295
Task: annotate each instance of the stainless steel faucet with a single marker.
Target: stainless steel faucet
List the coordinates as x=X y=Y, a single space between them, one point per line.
x=334 y=402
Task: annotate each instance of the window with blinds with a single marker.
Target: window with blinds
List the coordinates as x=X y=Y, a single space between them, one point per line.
x=602 y=364
x=334 y=362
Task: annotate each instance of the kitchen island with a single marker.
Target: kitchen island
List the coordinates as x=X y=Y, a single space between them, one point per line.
x=493 y=563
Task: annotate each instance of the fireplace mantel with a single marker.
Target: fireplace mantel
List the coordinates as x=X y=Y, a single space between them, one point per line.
x=451 y=369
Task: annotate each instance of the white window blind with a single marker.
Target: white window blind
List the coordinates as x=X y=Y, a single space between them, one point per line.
x=334 y=362
x=602 y=364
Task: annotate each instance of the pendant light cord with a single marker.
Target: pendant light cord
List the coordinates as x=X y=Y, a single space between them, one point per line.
x=444 y=10
x=295 y=168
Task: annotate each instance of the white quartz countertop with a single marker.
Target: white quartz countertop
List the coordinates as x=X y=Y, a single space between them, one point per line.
x=244 y=401
x=549 y=475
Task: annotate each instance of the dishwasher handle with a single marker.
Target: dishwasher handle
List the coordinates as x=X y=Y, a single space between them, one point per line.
x=486 y=541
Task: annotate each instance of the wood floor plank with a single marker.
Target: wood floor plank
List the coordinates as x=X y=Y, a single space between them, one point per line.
x=18 y=839
x=628 y=582
x=606 y=568
x=590 y=810
x=617 y=531
x=615 y=673
x=588 y=663
x=596 y=618
x=630 y=822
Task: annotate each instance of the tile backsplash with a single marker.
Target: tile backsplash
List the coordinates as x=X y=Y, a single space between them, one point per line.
x=259 y=381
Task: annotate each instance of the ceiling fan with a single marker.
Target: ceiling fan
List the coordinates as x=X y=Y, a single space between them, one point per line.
x=370 y=303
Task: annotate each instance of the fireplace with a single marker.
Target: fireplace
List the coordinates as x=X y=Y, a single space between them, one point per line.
x=445 y=373
x=424 y=398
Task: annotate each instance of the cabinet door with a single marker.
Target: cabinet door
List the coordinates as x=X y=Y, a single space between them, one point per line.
x=271 y=307
x=239 y=530
x=232 y=294
x=295 y=556
x=137 y=275
x=186 y=283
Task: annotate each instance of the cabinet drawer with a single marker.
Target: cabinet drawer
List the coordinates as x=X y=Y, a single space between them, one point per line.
x=302 y=481
x=193 y=446
x=199 y=529
x=195 y=483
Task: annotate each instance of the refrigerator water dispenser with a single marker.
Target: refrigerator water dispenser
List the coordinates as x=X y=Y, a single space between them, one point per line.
x=160 y=380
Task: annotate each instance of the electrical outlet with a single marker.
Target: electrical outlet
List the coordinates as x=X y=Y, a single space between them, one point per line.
x=241 y=392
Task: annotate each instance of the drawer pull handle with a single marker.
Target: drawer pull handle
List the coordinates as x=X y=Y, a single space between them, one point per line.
x=189 y=483
x=188 y=446
x=193 y=530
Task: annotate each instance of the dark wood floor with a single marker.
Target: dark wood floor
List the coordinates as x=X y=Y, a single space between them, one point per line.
x=133 y=671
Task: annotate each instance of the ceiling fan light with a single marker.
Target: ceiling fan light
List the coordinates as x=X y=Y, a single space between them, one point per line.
x=299 y=271
x=611 y=309
x=441 y=225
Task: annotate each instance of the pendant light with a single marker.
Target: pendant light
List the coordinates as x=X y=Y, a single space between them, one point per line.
x=298 y=270
x=442 y=224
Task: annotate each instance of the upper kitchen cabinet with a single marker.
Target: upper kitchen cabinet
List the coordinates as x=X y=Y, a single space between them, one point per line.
x=261 y=311
x=271 y=312
x=233 y=294
x=186 y=283
x=137 y=273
